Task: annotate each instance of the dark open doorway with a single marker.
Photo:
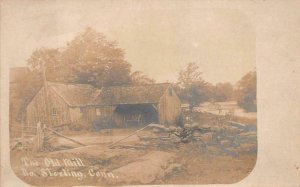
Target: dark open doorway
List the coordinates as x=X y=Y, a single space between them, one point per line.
x=133 y=115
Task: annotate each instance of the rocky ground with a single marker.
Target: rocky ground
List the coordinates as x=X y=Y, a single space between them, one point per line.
x=225 y=154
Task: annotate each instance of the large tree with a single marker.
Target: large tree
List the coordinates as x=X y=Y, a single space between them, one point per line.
x=247 y=91
x=192 y=88
x=88 y=59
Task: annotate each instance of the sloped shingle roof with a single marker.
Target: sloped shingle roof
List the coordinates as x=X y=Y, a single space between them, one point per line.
x=76 y=94
x=131 y=94
x=83 y=94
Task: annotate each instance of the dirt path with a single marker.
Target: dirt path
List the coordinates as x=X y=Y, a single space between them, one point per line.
x=145 y=170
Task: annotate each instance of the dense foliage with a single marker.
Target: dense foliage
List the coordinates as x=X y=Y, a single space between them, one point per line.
x=246 y=92
x=88 y=59
x=193 y=90
x=191 y=87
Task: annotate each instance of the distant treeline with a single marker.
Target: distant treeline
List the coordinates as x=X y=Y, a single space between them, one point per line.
x=193 y=90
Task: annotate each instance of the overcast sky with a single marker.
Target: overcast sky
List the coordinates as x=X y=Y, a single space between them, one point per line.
x=158 y=39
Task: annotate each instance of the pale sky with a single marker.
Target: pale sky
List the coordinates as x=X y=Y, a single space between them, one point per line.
x=158 y=38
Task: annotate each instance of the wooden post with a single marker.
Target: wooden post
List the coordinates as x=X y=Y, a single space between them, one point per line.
x=124 y=120
x=111 y=132
x=48 y=114
x=23 y=124
x=39 y=137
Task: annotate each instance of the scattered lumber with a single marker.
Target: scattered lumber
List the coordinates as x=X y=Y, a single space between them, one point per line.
x=234 y=122
x=160 y=127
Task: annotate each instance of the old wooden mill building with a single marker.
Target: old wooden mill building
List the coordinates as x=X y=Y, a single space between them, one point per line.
x=119 y=106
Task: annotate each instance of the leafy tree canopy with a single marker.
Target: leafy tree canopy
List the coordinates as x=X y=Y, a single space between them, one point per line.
x=88 y=59
x=191 y=87
x=247 y=91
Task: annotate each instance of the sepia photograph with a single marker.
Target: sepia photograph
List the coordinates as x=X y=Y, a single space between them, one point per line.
x=108 y=93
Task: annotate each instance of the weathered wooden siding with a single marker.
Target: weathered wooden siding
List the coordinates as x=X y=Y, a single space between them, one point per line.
x=36 y=110
x=57 y=104
x=169 y=107
x=76 y=114
x=58 y=111
x=93 y=113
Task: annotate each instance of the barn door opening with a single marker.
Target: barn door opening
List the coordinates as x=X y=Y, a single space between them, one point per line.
x=136 y=115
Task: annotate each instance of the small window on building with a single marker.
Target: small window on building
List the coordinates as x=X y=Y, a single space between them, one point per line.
x=81 y=109
x=54 y=112
x=98 y=112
